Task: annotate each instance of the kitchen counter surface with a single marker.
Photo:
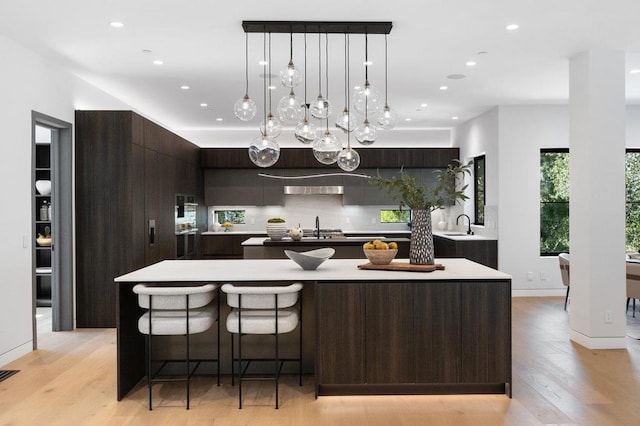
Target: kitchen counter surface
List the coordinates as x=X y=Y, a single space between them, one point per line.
x=239 y=270
x=309 y=241
x=234 y=233
x=462 y=236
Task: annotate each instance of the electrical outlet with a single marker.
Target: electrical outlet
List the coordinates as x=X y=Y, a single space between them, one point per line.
x=543 y=276
x=529 y=276
x=607 y=317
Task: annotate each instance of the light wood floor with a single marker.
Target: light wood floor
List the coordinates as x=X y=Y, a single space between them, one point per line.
x=71 y=381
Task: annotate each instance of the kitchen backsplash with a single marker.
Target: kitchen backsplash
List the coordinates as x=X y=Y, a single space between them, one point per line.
x=332 y=213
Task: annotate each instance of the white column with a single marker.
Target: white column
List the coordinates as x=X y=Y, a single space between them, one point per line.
x=597 y=206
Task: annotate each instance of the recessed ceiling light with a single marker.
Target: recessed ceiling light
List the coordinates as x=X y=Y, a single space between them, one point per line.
x=471 y=63
x=455 y=117
x=444 y=87
x=367 y=63
x=203 y=105
x=635 y=71
x=356 y=87
x=158 y=62
x=423 y=105
x=456 y=76
x=116 y=24
x=271 y=87
x=185 y=87
x=263 y=63
x=512 y=27
x=407 y=119
x=219 y=119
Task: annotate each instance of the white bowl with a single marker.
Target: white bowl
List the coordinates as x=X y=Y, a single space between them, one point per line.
x=43 y=187
x=310 y=260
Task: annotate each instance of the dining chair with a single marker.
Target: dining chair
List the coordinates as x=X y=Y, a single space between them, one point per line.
x=563 y=259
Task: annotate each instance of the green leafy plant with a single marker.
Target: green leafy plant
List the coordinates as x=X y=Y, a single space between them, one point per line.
x=276 y=220
x=449 y=187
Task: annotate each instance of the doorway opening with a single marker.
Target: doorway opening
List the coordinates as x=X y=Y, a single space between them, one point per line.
x=52 y=212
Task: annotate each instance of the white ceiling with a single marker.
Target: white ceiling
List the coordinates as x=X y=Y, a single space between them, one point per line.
x=202 y=45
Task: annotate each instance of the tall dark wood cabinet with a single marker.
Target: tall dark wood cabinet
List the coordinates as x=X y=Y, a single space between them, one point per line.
x=128 y=170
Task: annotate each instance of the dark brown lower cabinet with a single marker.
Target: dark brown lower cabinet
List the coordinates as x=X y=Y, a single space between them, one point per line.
x=340 y=341
x=436 y=334
x=413 y=337
x=389 y=348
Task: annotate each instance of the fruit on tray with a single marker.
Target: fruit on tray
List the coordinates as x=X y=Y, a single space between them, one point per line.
x=379 y=245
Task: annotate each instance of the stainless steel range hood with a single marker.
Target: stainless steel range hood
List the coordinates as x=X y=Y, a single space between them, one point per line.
x=314 y=190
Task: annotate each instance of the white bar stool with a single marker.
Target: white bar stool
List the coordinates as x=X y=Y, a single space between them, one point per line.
x=177 y=311
x=263 y=310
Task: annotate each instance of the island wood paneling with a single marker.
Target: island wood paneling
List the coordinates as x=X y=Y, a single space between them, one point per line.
x=340 y=345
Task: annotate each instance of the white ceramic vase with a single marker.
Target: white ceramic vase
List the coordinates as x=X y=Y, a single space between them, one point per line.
x=277 y=231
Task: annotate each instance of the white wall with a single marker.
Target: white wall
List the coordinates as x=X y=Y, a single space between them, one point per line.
x=477 y=137
x=27 y=83
x=513 y=182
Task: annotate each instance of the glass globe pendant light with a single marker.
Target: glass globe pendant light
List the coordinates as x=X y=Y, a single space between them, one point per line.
x=366 y=99
x=327 y=148
x=264 y=151
x=305 y=131
x=271 y=126
x=321 y=107
x=290 y=76
x=244 y=108
x=387 y=118
x=348 y=159
x=366 y=134
x=291 y=108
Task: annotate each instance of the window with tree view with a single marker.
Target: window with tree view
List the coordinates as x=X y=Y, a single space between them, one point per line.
x=632 y=186
x=554 y=202
x=479 y=189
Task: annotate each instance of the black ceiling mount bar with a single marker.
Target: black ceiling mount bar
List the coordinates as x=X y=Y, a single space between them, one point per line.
x=330 y=27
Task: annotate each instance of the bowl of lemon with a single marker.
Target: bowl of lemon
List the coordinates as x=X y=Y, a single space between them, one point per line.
x=380 y=253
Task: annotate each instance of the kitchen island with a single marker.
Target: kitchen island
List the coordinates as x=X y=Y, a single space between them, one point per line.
x=376 y=332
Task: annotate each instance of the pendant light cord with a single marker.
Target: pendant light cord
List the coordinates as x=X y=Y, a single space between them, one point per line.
x=366 y=76
x=326 y=69
x=306 y=105
x=386 y=72
x=265 y=123
x=246 y=64
x=319 y=63
x=347 y=58
x=264 y=81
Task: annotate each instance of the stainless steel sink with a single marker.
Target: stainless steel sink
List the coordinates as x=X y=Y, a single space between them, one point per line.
x=457 y=234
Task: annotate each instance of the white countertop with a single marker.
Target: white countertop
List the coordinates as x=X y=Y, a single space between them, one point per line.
x=462 y=236
x=234 y=232
x=338 y=270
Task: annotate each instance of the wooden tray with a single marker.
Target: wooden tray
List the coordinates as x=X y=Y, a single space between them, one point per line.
x=403 y=266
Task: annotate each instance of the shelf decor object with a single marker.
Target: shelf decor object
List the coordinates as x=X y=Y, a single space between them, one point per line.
x=264 y=151
x=277 y=228
x=423 y=200
x=43 y=187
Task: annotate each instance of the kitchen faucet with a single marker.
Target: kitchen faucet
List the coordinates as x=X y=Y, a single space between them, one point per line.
x=469 y=231
x=318 y=226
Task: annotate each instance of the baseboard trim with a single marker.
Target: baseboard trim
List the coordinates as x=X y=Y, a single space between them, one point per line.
x=15 y=353
x=598 y=342
x=545 y=292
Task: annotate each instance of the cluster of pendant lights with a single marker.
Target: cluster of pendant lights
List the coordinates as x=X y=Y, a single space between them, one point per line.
x=264 y=150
